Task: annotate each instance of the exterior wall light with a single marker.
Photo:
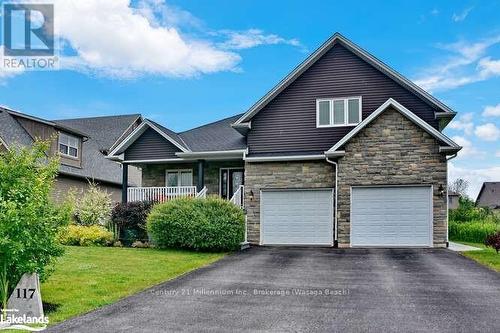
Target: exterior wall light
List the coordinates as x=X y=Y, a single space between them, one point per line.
x=250 y=195
x=441 y=190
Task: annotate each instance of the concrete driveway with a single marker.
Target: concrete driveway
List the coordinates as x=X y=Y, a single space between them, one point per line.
x=314 y=289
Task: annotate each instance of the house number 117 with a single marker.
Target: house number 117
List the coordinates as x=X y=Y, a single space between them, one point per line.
x=25 y=293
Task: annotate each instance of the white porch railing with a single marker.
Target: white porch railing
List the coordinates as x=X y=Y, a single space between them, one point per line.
x=202 y=193
x=159 y=194
x=238 y=197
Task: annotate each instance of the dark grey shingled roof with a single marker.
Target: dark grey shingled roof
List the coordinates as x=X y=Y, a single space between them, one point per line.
x=215 y=136
x=103 y=133
x=11 y=132
x=489 y=195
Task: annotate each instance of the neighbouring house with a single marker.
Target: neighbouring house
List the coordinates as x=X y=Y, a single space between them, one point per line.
x=453 y=199
x=343 y=151
x=489 y=195
x=82 y=145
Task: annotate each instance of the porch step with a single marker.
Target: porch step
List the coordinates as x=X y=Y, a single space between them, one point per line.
x=244 y=245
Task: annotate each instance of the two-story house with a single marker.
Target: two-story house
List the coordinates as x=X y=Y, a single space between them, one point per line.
x=343 y=151
x=82 y=145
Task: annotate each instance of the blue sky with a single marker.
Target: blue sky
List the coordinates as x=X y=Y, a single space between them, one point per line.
x=185 y=63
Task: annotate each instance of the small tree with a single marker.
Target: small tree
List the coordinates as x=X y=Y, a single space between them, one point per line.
x=493 y=241
x=459 y=186
x=29 y=221
x=94 y=208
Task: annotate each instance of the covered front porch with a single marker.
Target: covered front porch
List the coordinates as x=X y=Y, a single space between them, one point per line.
x=165 y=181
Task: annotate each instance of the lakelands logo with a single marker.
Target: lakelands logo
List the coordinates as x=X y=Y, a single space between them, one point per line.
x=28 y=37
x=24 y=322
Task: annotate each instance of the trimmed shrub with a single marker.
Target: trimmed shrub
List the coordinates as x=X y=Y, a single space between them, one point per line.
x=474 y=232
x=79 y=235
x=200 y=224
x=130 y=220
x=493 y=241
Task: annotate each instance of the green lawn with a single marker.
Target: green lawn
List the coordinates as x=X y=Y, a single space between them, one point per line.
x=487 y=256
x=86 y=278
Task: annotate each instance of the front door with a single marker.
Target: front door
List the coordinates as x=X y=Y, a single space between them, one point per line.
x=230 y=181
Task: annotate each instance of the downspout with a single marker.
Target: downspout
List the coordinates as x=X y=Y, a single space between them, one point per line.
x=335 y=242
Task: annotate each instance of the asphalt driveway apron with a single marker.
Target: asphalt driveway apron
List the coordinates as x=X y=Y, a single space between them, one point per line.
x=314 y=289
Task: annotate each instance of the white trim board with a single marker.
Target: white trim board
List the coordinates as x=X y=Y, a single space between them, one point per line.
x=337 y=37
x=405 y=112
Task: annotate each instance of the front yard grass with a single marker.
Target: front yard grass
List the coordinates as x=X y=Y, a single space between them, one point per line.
x=487 y=256
x=86 y=278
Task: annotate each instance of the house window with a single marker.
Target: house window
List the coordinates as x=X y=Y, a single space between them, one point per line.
x=338 y=111
x=175 y=178
x=68 y=145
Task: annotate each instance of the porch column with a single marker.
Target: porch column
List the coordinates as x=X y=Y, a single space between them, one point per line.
x=201 y=175
x=124 y=182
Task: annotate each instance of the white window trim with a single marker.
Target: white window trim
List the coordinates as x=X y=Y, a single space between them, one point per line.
x=69 y=146
x=178 y=171
x=346 y=111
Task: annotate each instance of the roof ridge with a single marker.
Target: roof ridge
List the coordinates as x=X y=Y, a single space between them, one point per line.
x=98 y=117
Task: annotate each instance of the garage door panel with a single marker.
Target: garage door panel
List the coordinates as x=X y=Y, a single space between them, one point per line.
x=391 y=216
x=296 y=217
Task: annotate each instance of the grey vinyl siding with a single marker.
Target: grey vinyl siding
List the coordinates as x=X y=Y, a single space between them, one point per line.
x=288 y=123
x=149 y=146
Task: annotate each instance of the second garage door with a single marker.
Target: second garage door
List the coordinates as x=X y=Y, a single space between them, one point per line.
x=297 y=217
x=391 y=216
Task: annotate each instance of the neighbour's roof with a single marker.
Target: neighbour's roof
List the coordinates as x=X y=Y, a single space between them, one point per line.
x=103 y=133
x=11 y=132
x=489 y=195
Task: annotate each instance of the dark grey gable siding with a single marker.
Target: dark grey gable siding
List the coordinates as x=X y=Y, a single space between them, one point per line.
x=288 y=123
x=151 y=146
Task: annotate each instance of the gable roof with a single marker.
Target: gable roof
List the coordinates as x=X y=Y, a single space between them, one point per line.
x=218 y=136
x=316 y=55
x=489 y=195
x=405 y=112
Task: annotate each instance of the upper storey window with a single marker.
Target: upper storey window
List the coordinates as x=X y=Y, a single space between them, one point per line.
x=68 y=145
x=344 y=111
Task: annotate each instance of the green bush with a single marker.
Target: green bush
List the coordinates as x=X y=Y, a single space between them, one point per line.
x=94 y=207
x=467 y=211
x=130 y=221
x=80 y=235
x=199 y=224
x=474 y=231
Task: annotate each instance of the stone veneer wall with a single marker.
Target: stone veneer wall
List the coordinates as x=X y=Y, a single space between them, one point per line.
x=392 y=151
x=303 y=174
x=154 y=174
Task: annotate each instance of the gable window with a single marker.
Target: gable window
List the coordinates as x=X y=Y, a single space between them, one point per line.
x=338 y=111
x=176 y=178
x=68 y=145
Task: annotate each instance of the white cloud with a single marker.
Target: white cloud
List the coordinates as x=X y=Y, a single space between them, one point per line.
x=459 y=17
x=464 y=123
x=6 y=74
x=465 y=65
x=468 y=149
x=475 y=176
x=492 y=111
x=238 y=40
x=128 y=39
x=487 y=132
x=497 y=154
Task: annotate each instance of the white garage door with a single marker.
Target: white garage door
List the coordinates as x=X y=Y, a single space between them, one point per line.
x=297 y=217
x=391 y=216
